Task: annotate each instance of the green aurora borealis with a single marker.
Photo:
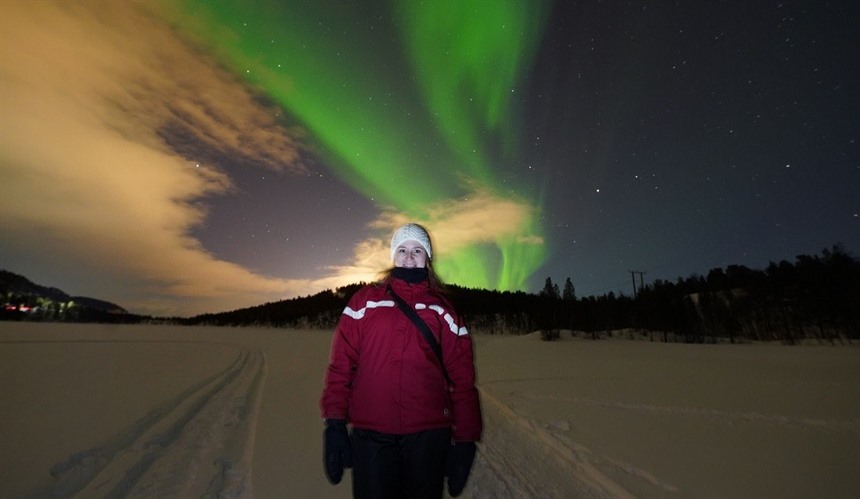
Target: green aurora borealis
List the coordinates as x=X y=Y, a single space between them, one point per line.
x=413 y=147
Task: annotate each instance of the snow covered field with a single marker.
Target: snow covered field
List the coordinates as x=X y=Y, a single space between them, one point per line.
x=153 y=411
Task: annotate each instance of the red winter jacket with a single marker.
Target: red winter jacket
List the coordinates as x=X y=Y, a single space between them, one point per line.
x=383 y=376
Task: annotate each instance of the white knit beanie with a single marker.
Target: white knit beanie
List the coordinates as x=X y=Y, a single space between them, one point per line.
x=411 y=232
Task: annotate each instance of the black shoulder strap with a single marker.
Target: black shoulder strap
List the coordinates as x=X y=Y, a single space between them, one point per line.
x=424 y=328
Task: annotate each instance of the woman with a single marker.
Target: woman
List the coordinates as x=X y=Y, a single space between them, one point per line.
x=410 y=427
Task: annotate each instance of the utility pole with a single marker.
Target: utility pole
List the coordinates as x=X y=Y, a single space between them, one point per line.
x=633 y=278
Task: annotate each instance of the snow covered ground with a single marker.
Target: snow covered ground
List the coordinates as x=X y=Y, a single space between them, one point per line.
x=152 y=411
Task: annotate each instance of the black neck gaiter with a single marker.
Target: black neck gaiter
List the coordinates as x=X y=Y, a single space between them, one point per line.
x=412 y=276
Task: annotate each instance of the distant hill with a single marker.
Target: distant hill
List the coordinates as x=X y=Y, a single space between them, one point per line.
x=20 y=285
x=25 y=299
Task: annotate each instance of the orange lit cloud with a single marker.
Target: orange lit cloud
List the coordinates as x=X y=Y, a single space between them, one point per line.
x=482 y=217
x=89 y=94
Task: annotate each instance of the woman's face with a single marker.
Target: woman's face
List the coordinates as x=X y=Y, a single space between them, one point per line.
x=410 y=255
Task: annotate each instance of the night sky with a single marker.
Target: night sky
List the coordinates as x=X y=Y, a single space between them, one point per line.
x=190 y=156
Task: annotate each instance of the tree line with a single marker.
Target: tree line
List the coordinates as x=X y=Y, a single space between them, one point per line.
x=814 y=297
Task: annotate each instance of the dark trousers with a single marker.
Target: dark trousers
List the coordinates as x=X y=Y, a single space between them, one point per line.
x=399 y=466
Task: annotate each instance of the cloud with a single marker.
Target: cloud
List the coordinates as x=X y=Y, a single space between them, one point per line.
x=109 y=125
x=479 y=218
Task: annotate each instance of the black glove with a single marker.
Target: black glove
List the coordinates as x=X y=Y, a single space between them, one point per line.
x=337 y=453
x=458 y=465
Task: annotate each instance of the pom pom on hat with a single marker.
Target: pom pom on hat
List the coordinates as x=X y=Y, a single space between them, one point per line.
x=411 y=232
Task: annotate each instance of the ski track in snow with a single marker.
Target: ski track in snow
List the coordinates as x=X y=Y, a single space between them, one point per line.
x=523 y=458
x=198 y=444
x=518 y=458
